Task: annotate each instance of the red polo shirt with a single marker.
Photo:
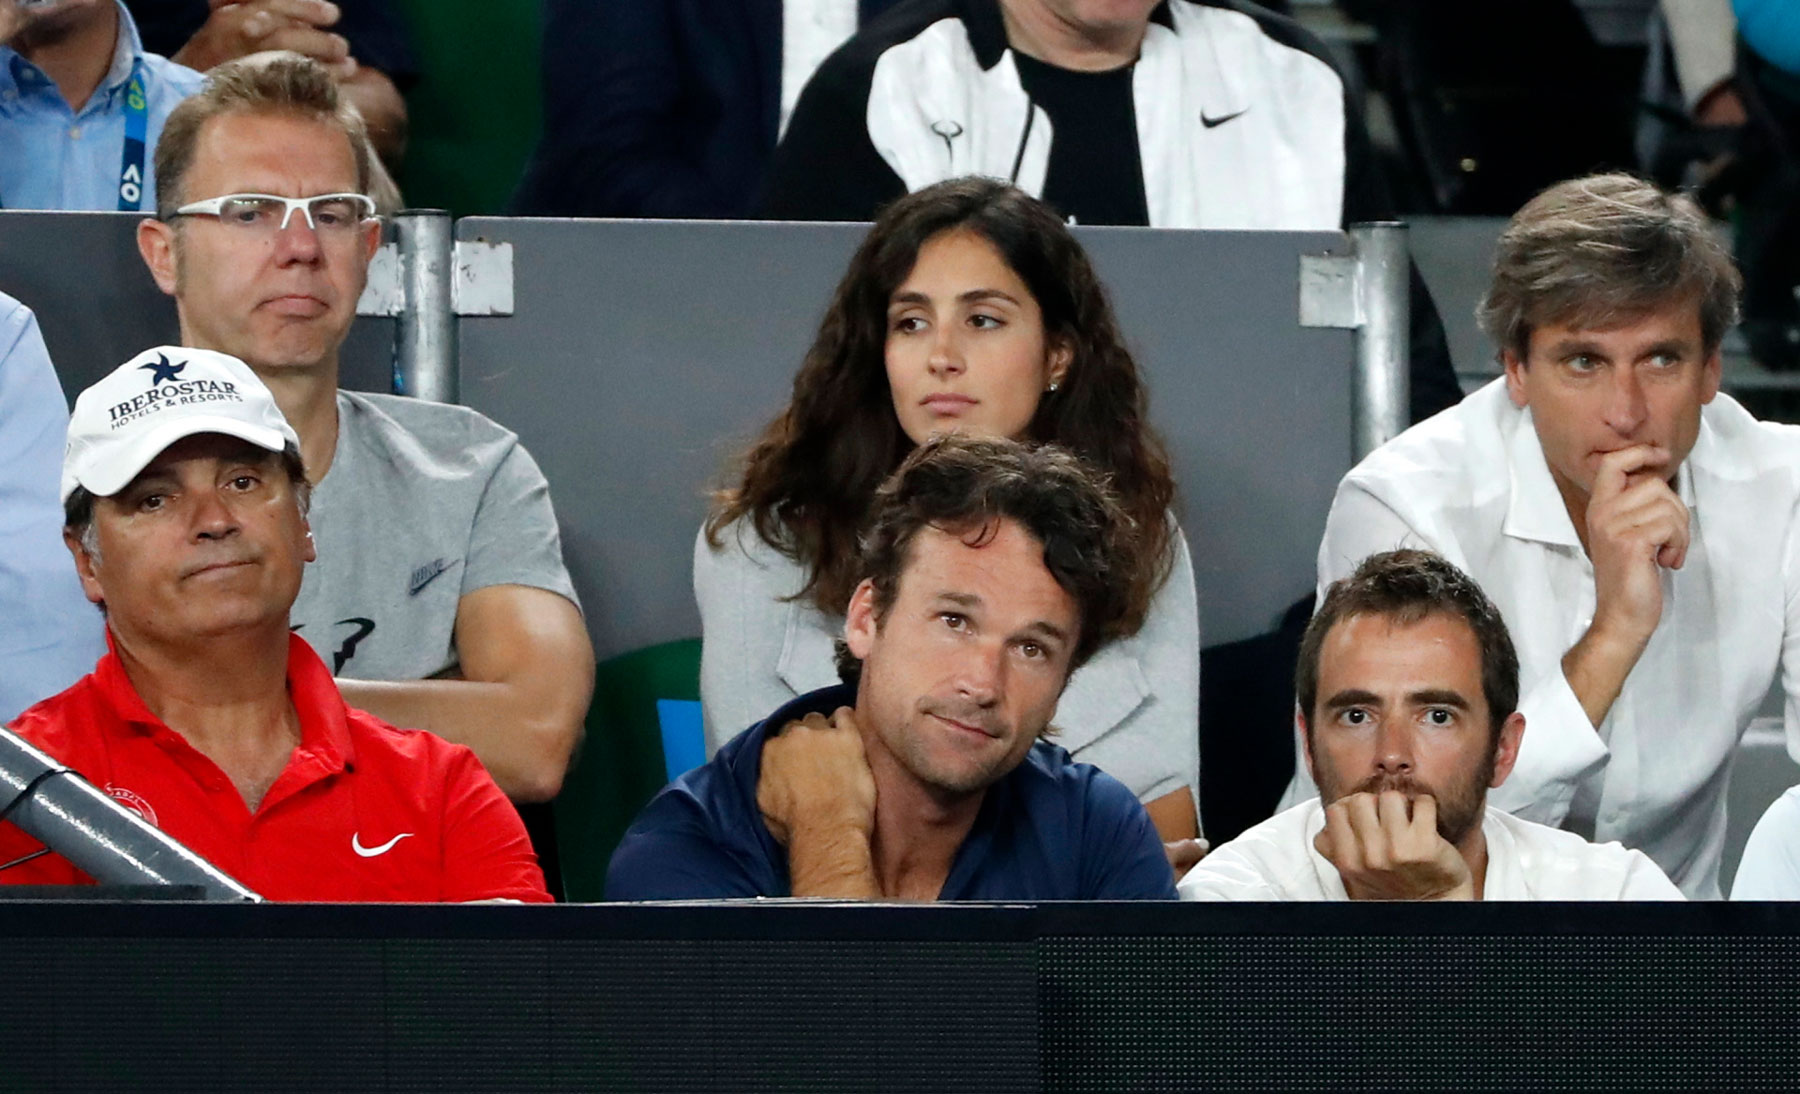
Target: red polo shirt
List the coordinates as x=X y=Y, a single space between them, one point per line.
x=362 y=811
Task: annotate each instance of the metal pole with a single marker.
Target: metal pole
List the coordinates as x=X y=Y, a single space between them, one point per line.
x=425 y=339
x=1380 y=397
x=110 y=843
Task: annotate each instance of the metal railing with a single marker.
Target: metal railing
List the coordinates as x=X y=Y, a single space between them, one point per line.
x=1367 y=291
x=110 y=843
x=426 y=281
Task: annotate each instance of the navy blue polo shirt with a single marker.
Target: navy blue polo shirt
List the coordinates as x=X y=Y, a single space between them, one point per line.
x=1052 y=829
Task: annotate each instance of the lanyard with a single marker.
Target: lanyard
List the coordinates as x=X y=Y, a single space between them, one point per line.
x=137 y=127
x=137 y=124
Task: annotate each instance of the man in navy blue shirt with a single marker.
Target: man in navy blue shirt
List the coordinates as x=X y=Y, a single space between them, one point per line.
x=992 y=570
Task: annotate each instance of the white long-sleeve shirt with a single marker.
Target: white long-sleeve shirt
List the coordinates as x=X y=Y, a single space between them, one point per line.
x=1276 y=860
x=1770 y=868
x=1133 y=710
x=1472 y=484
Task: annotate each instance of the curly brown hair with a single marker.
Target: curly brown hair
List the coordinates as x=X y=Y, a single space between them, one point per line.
x=810 y=478
x=966 y=486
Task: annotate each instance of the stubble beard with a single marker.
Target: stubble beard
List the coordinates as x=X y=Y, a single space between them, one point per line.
x=56 y=27
x=948 y=779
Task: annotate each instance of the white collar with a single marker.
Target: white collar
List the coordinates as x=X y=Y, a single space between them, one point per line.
x=1217 y=92
x=126 y=51
x=1535 y=508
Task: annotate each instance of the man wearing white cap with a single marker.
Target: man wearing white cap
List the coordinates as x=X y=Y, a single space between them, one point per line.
x=185 y=503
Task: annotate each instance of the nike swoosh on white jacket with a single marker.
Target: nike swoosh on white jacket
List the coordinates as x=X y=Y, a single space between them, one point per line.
x=871 y=125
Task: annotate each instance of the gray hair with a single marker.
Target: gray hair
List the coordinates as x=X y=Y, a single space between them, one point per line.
x=1595 y=251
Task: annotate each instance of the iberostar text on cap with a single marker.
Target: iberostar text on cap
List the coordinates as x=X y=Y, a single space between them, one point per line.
x=155 y=399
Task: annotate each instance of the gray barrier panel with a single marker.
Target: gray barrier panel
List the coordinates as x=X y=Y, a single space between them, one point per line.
x=1455 y=255
x=643 y=355
x=81 y=274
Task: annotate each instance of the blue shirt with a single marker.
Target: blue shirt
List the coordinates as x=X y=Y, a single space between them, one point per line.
x=52 y=157
x=49 y=634
x=1052 y=829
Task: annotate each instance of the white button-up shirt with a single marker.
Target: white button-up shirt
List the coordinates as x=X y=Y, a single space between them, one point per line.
x=1472 y=484
x=1276 y=860
x=1770 y=868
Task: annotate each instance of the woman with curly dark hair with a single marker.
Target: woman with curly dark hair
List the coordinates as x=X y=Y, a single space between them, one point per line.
x=969 y=307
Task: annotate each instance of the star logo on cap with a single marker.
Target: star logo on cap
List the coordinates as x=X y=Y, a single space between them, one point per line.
x=161 y=371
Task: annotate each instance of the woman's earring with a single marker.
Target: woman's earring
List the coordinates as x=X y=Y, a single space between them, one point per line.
x=1052 y=386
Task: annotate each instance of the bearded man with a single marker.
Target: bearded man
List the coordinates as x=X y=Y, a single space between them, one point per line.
x=1408 y=690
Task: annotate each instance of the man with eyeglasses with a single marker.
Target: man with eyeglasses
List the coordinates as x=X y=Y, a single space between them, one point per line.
x=439 y=599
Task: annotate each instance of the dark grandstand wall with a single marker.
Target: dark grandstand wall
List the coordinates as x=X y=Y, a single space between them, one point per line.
x=811 y=997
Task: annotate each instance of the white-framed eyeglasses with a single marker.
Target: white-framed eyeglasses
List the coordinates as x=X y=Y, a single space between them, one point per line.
x=327 y=214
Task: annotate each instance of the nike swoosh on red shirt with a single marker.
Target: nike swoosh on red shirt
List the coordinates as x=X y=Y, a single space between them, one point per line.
x=370 y=852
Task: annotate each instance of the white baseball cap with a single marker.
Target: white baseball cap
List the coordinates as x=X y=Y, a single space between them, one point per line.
x=153 y=400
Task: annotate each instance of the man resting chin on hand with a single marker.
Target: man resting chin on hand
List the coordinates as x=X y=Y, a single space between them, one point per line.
x=1386 y=846
x=1408 y=684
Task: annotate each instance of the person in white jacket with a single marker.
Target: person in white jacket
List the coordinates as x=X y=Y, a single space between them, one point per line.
x=1638 y=529
x=1166 y=113
x=1408 y=687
